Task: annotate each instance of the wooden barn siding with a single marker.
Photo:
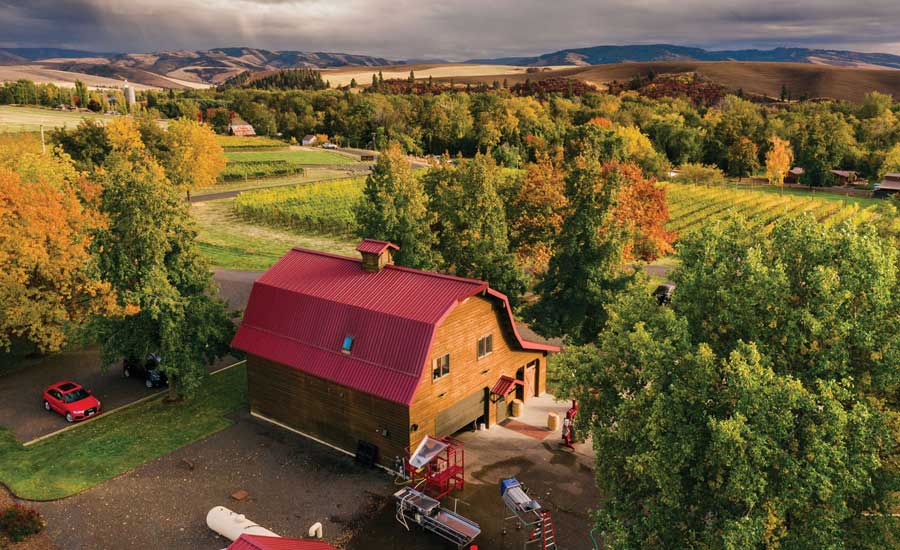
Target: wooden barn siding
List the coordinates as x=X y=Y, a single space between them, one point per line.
x=458 y=335
x=333 y=413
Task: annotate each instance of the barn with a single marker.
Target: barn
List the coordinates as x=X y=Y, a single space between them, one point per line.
x=890 y=185
x=238 y=127
x=360 y=353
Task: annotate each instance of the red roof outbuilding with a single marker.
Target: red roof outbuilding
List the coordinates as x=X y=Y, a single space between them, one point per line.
x=260 y=542
x=304 y=307
x=372 y=246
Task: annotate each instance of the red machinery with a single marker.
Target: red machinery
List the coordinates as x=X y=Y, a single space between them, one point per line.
x=436 y=467
x=568 y=427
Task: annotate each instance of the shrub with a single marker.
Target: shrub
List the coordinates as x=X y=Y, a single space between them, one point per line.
x=700 y=174
x=19 y=522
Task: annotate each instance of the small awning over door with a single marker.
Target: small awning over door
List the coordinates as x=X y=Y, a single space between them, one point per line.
x=504 y=385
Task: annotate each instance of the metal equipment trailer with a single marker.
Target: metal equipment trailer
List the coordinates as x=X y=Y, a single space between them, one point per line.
x=529 y=514
x=421 y=509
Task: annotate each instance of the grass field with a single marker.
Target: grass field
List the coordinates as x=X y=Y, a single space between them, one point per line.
x=115 y=443
x=30 y=119
x=690 y=206
x=298 y=156
x=229 y=242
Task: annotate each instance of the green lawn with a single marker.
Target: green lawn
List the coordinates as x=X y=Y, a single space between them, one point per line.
x=231 y=243
x=249 y=142
x=294 y=156
x=817 y=193
x=114 y=444
x=29 y=119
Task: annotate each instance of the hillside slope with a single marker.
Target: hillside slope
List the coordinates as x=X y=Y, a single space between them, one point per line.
x=600 y=55
x=755 y=78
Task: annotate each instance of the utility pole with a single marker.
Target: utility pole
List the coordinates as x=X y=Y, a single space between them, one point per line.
x=43 y=145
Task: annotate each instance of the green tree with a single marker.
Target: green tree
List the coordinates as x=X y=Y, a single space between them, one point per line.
x=821 y=139
x=148 y=253
x=758 y=410
x=471 y=220
x=743 y=158
x=585 y=270
x=395 y=208
x=81 y=94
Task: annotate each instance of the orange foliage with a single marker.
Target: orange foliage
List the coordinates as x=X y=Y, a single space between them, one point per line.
x=46 y=278
x=642 y=208
x=538 y=210
x=602 y=122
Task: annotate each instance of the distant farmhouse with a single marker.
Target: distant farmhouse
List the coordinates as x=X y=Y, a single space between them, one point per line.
x=794 y=174
x=309 y=139
x=847 y=177
x=239 y=127
x=890 y=185
x=363 y=354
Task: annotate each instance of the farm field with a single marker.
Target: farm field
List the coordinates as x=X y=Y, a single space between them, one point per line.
x=309 y=175
x=236 y=143
x=319 y=208
x=30 y=119
x=230 y=242
x=690 y=206
x=296 y=156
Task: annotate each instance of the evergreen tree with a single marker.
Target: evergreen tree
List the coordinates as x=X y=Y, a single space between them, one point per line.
x=395 y=209
x=411 y=78
x=474 y=240
x=352 y=83
x=584 y=271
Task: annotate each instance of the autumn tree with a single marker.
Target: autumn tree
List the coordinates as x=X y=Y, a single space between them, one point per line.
x=193 y=158
x=537 y=210
x=149 y=254
x=757 y=410
x=395 y=208
x=49 y=281
x=642 y=211
x=471 y=223
x=778 y=161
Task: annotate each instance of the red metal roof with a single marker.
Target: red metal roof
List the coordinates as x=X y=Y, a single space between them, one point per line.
x=260 y=542
x=371 y=246
x=504 y=385
x=303 y=307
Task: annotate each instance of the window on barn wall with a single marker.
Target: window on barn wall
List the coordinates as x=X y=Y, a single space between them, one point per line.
x=485 y=345
x=441 y=367
x=347 y=346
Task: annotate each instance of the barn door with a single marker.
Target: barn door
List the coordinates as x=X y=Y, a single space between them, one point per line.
x=502 y=408
x=530 y=380
x=459 y=415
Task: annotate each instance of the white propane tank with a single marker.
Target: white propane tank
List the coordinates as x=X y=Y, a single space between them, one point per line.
x=232 y=525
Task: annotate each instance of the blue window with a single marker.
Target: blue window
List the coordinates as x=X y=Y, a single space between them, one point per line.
x=348 y=344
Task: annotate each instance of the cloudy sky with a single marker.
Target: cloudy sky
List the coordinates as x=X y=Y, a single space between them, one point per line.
x=452 y=29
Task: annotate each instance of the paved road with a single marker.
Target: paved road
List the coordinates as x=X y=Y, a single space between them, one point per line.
x=20 y=391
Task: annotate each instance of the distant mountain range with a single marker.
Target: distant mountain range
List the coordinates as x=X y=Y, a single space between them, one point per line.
x=602 y=55
x=186 y=69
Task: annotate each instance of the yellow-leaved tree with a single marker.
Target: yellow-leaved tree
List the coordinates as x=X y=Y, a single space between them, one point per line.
x=49 y=281
x=194 y=158
x=778 y=161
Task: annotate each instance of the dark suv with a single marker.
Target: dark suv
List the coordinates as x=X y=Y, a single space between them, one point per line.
x=148 y=371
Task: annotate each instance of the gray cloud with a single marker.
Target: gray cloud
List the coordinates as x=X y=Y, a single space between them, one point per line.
x=455 y=29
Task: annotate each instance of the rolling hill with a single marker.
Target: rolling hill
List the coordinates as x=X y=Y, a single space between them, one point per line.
x=759 y=78
x=601 y=55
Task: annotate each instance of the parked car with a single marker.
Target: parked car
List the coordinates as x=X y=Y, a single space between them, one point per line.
x=329 y=146
x=148 y=371
x=71 y=400
x=663 y=293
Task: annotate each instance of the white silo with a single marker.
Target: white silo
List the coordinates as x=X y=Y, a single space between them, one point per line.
x=129 y=94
